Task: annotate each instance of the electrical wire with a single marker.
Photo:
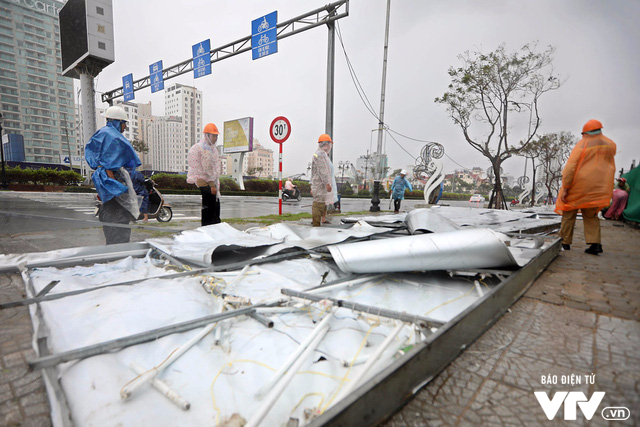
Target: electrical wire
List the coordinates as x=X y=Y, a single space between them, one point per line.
x=365 y=100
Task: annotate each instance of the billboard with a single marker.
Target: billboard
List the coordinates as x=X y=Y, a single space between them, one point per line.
x=238 y=136
x=86 y=35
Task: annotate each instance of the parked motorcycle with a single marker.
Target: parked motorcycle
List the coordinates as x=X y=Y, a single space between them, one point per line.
x=156 y=208
x=292 y=194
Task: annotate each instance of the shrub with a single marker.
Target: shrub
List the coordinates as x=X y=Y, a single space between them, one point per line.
x=170 y=181
x=346 y=190
x=228 y=184
x=43 y=176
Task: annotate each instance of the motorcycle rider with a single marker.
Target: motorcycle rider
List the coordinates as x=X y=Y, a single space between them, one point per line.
x=108 y=152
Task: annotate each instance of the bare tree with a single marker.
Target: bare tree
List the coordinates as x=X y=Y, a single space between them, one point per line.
x=551 y=151
x=491 y=88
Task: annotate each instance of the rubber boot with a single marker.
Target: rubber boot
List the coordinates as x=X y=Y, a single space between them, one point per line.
x=594 y=249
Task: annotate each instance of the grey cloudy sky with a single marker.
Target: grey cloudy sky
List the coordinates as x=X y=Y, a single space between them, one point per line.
x=597 y=53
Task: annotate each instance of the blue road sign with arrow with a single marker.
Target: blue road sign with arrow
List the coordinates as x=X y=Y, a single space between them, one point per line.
x=264 y=36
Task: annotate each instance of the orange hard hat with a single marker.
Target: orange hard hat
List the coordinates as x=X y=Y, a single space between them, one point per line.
x=325 y=138
x=211 y=128
x=591 y=125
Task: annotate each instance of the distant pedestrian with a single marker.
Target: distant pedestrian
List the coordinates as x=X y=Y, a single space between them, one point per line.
x=108 y=152
x=321 y=179
x=587 y=182
x=620 y=197
x=400 y=183
x=204 y=172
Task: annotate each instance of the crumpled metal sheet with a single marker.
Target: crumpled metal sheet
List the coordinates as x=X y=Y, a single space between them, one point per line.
x=429 y=221
x=206 y=244
x=453 y=250
x=199 y=246
x=302 y=236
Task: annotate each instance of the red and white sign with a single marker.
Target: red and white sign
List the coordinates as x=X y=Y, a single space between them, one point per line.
x=280 y=129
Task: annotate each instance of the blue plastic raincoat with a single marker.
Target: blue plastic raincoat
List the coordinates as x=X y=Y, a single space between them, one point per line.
x=109 y=149
x=398 y=186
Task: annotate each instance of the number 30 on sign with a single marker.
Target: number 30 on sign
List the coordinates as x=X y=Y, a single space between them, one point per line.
x=280 y=129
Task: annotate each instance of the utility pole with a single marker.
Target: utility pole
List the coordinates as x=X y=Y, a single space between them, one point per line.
x=375 y=200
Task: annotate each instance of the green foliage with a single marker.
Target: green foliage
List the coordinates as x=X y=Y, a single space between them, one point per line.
x=364 y=192
x=172 y=181
x=228 y=184
x=43 y=176
x=346 y=190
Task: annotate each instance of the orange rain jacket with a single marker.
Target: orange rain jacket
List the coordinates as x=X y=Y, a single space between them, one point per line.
x=588 y=176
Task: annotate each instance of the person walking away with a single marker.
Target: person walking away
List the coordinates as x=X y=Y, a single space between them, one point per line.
x=204 y=171
x=619 y=203
x=108 y=152
x=400 y=183
x=587 y=182
x=321 y=188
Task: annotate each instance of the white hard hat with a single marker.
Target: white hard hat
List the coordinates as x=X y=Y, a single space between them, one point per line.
x=403 y=172
x=116 y=113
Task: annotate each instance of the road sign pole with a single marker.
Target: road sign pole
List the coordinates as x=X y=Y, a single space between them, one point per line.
x=280 y=183
x=280 y=130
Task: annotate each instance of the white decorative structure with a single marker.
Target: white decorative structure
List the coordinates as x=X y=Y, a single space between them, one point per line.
x=428 y=165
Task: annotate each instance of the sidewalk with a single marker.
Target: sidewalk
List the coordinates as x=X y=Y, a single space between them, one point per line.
x=580 y=317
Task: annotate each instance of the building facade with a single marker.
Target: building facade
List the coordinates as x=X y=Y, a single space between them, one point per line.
x=185 y=102
x=260 y=161
x=36 y=101
x=166 y=147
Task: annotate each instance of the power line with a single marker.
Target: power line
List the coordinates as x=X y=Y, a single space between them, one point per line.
x=365 y=100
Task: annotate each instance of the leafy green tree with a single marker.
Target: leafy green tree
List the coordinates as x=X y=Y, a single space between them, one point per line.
x=490 y=90
x=140 y=146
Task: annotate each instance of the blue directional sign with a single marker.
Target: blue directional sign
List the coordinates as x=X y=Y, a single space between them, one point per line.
x=264 y=38
x=201 y=59
x=155 y=76
x=127 y=87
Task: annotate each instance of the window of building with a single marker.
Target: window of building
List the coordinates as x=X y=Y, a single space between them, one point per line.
x=102 y=46
x=99 y=10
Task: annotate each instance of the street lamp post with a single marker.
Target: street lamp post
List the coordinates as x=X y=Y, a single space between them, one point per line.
x=3 y=184
x=308 y=171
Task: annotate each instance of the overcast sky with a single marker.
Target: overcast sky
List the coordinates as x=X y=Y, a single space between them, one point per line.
x=597 y=53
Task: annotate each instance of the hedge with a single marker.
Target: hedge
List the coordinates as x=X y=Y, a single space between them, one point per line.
x=42 y=176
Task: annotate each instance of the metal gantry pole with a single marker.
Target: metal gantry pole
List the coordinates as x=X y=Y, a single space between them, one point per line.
x=331 y=56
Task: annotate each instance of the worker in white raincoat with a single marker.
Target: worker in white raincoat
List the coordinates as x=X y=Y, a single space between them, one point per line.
x=321 y=179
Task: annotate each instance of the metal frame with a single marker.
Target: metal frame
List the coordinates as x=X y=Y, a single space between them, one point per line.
x=323 y=15
x=385 y=393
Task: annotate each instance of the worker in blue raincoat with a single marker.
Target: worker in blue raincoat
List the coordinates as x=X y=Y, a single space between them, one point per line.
x=108 y=153
x=397 y=189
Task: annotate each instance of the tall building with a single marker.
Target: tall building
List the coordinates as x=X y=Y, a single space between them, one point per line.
x=166 y=146
x=35 y=100
x=260 y=161
x=185 y=102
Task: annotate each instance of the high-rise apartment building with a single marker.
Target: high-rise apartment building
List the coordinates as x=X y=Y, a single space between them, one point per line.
x=185 y=102
x=166 y=146
x=35 y=100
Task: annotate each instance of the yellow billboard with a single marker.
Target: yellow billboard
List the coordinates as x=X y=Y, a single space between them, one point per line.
x=238 y=136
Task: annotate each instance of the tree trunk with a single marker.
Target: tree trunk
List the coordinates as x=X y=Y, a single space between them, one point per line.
x=497 y=197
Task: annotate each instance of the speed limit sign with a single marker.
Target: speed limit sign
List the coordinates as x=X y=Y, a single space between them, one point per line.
x=280 y=129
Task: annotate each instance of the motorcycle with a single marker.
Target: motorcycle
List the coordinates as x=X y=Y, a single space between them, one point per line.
x=292 y=194
x=156 y=208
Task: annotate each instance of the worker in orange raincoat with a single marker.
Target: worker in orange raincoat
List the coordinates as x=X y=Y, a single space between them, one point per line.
x=587 y=182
